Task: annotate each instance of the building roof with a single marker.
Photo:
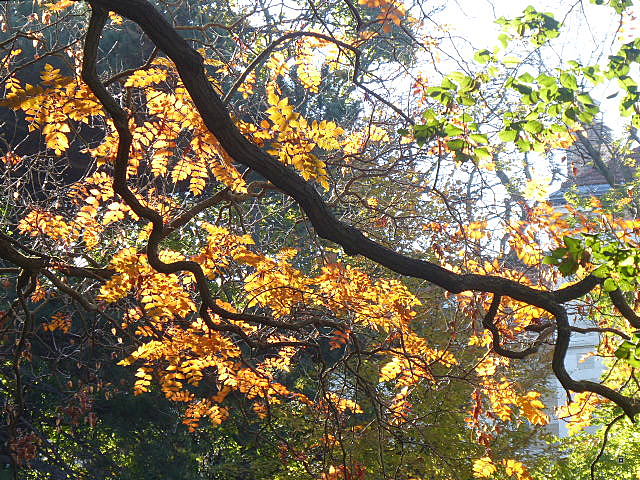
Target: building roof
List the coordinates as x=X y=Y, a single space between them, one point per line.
x=583 y=176
x=558 y=199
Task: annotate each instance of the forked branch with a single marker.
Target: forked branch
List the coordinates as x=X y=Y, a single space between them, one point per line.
x=215 y=116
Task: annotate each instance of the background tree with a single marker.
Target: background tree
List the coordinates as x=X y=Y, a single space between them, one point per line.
x=172 y=251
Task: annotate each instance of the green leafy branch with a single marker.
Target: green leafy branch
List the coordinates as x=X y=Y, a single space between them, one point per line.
x=617 y=263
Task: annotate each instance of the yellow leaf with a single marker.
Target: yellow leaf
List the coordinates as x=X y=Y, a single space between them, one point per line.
x=484 y=467
x=538 y=188
x=391 y=370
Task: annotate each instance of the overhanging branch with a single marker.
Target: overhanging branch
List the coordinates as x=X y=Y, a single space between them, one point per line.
x=215 y=116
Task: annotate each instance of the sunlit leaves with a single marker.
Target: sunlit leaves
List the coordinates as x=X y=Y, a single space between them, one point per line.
x=40 y=222
x=618 y=5
x=526 y=246
x=295 y=139
x=49 y=107
x=542 y=26
x=308 y=68
x=209 y=154
x=343 y=404
x=280 y=112
x=59 y=321
x=618 y=264
x=516 y=469
x=272 y=282
x=10 y=159
x=173 y=157
x=144 y=78
x=391 y=12
x=115 y=212
x=482 y=56
x=391 y=370
x=277 y=65
x=163 y=296
x=204 y=408
x=484 y=467
x=533 y=409
x=538 y=188
x=629 y=351
x=504 y=399
x=579 y=410
x=59 y=6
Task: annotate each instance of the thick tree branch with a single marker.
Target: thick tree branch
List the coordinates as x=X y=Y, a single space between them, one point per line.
x=630 y=406
x=190 y=67
x=215 y=116
x=13 y=256
x=618 y=300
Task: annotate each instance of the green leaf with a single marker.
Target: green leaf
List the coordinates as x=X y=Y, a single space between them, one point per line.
x=467 y=100
x=629 y=352
x=568 y=266
x=610 y=285
x=533 y=126
x=554 y=110
x=456 y=144
x=523 y=89
x=546 y=80
x=448 y=84
x=422 y=131
x=624 y=350
x=591 y=72
x=586 y=117
x=524 y=145
x=559 y=252
x=570 y=116
x=601 y=272
x=511 y=60
x=479 y=138
x=573 y=244
x=627 y=82
x=482 y=56
x=628 y=261
x=633 y=360
x=508 y=135
x=526 y=78
x=625 y=285
x=550 y=260
x=460 y=156
x=453 y=130
x=482 y=154
x=585 y=99
x=569 y=81
x=538 y=147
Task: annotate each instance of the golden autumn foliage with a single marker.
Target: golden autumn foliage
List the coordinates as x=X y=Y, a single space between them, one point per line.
x=178 y=350
x=59 y=321
x=196 y=265
x=391 y=12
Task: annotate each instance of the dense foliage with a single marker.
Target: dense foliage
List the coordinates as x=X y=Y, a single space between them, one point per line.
x=272 y=240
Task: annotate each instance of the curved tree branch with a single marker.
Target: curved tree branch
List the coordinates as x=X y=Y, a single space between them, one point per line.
x=215 y=116
x=624 y=308
x=488 y=323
